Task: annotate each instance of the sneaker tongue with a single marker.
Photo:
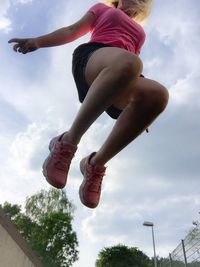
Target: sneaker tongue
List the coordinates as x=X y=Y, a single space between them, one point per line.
x=69 y=145
x=99 y=168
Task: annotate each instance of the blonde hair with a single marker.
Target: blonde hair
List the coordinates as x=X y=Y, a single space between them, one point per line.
x=142 y=8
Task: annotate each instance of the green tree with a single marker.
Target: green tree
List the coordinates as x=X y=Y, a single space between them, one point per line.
x=122 y=256
x=46 y=224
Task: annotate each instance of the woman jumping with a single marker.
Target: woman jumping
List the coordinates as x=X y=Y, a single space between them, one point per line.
x=107 y=72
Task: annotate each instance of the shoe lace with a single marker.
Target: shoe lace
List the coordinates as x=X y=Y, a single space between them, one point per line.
x=62 y=156
x=96 y=179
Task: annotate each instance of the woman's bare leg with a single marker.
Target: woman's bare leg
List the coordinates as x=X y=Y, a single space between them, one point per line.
x=114 y=78
x=150 y=99
x=108 y=72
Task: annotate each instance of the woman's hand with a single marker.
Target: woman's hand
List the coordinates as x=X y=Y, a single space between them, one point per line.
x=24 y=45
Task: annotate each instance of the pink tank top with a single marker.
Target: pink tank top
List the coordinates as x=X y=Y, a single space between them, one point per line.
x=112 y=26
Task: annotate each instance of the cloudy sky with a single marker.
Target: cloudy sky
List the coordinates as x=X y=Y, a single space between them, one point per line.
x=156 y=178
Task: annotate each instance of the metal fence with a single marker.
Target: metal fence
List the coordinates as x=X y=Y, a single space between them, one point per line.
x=187 y=253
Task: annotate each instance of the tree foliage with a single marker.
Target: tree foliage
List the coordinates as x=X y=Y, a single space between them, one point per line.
x=122 y=256
x=46 y=224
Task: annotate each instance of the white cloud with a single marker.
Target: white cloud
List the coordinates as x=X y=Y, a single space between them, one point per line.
x=22 y=1
x=21 y=164
x=26 y=147
x=5 y=22
x=172 y=48
x=186 y=91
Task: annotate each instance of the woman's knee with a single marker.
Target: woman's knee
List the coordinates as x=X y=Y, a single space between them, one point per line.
x=154 y=99
x=127 y=66
x=163 y=97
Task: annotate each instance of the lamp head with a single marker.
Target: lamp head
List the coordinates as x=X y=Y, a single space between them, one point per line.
x=148 y=224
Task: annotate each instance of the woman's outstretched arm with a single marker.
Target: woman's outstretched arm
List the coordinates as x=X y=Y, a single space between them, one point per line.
x=59 y=37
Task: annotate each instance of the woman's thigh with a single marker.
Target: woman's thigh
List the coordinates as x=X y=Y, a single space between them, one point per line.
x=140 y=86
x=112 y=57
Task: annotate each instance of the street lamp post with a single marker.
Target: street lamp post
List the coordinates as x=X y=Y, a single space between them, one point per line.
x=150 y=224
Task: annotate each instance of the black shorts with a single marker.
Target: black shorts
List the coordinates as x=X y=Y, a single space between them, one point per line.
x=79 y=61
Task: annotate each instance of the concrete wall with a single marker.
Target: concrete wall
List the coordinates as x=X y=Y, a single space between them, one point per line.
x=14 y=250
x=11 y=254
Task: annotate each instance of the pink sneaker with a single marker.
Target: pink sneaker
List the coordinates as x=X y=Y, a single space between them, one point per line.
x=56 y=165
x=90 y=189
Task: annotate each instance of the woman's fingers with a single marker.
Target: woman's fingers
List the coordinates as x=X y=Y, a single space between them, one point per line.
x=14 y=40
x=20 y=45
x=16 y=47
x=25 y=49
x=23 y=45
